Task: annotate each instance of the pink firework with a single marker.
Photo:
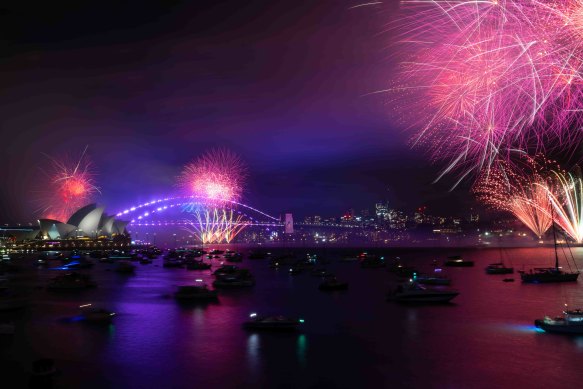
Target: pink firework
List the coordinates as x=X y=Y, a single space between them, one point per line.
x=71 y=186
x=522 y=190
x=492 y=77
x=216 y=176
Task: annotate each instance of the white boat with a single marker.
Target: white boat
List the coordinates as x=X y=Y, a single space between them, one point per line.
x=570 y=323
x=413 y=292
x=272 y=323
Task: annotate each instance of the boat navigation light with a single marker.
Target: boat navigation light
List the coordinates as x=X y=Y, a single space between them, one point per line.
x=301 y=320
x=253 y=315
x=84 y=305
x=112 y=314
x=198 y=280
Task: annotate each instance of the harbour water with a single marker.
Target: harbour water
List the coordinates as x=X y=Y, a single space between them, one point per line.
x=350 y=339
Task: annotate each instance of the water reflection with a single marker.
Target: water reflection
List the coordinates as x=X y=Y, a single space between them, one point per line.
x=302 y=348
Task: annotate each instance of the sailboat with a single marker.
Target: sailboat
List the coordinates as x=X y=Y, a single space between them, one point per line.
x=499 y=267
x=549 y=274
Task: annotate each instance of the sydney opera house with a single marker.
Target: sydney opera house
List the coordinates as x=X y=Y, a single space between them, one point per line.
x=88 y=222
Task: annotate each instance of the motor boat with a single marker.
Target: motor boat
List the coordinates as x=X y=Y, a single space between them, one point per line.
x=234 y=281
x=570 y=323
x=71 y=281
x=498 y=268
x=233 y=257
x=125 y=267
x=371 y=261
x=92 y=314
x=272 y=323
x=198 y=265
x=193 y=293
x=426 y=279
x=331 y=283
x=296 y=269
x=458 y=261
x=226 y=270
x=413 y=292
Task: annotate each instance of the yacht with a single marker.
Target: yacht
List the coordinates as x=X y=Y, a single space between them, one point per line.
x=92 y=314
x=198 y=265
x=189 y=293
x=226 y=270
x=233 y=281
x=458 y=261
x=498 y=268
x=277 y=323
x=570 y=323
x=413 y=292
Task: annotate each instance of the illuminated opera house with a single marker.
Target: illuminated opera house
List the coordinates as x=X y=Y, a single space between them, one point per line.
x=89 y=222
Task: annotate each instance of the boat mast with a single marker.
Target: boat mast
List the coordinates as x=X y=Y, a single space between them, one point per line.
x=554 y=237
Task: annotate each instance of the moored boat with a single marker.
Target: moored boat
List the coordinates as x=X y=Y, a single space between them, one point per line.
x=273 y=323
x=413 y=292
x=570 y=323
x=331 y=283
x=194 y=293
x=458 y=261
x=499 y=268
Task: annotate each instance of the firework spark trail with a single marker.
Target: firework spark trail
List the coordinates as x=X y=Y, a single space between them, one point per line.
x=567 y=199
x=491 y=77
x=212 y=225
x=522 y=192
x=71 y=186
x=217 y=177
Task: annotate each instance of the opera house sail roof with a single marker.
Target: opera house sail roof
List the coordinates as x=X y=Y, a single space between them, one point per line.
x=88 y=221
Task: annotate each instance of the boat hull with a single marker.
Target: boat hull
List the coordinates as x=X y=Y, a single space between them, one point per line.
x=424 y=298
x=548 y=278
x=559 y=328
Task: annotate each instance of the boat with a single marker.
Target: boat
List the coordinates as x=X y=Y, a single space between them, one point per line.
x=543 y=275
x=331 y=283
x=197 y=265
x=125 y=267
x=370 y=261
x=240 y=280
x=413 y=292
x=428 y=279
x=71 y=281
x=498 y=268
x=272 y=323
x=226 y=270
x=92 y=314
x=570 y=323
x=145 y=260
x=193 y=293
x=233 y=257
x=458 y=261
x=296 y=269
x=258 y=255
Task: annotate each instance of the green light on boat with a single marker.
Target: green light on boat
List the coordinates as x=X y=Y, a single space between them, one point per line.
x=301 y=320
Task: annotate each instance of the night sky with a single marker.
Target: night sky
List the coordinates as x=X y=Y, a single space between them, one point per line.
x=149 y=86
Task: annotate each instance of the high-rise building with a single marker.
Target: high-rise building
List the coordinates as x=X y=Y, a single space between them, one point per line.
x=382 y=210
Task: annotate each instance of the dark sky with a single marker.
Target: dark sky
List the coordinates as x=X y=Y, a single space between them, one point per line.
x=151 y=85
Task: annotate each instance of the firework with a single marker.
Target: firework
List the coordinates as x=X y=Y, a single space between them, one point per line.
x=214 y=180
x=71 y=186
x=216 y=176
x=485 y=78
x=566 y=197
x=213 y=225
x=523 y=192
